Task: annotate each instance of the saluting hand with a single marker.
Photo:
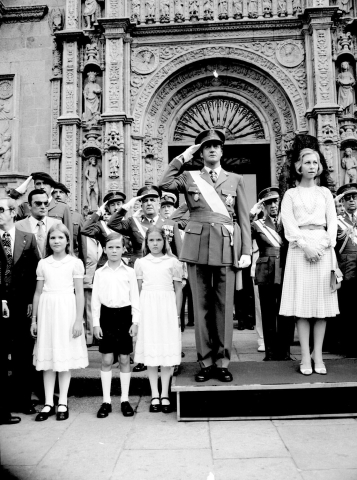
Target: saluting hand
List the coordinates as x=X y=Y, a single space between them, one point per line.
x=188 y=153
x=131 y=202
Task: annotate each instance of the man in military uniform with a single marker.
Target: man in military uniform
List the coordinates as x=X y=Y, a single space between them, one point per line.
x=346 y=250
x=168 y=201
x=60 y=194
x=55 y=209
x=217 y=242
x=269 y=235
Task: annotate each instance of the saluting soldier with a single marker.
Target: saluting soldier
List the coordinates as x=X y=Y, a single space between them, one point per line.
x=269 y=235
x=346 y=250
x=217 y=241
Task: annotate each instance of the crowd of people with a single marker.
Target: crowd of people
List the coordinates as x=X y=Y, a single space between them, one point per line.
x=121 y=276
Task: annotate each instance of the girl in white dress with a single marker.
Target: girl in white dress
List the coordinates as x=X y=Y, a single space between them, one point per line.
x=58 y=305
x=310 y=224
x=159 y=337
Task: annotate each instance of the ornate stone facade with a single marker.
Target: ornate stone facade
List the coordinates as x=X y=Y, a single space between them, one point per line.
x=134 y=81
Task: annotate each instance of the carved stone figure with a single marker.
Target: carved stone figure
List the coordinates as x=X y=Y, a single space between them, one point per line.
x=179 y=13
x=135 y=11
x=150 y=11
x=345 y=42
x=349 y=163
x=346 y=82
x=267 y=8
x=282 y=9
x=165 y=11
x=193 y=9
x=208 y=10
x=237 y=9
x=114 y=166
x=343 y=4
x=90 y=13
x=92 y=174
x=253 y=9
x=297 y=8
x=55 y=19
x=223 y=10
x=5 y=153
x=149 y=176
x=329 y=157
x=92 y=52
x=92 y=95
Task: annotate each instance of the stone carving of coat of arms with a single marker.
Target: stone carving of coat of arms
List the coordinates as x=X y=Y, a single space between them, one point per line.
x=290 y=54
x=144 y=61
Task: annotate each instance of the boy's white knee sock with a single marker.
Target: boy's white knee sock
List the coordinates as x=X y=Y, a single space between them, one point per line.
x=106 y=378
x=125 y=384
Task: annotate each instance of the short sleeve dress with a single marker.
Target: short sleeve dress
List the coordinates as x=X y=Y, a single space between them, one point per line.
x=306 y=287
x=159 y=334
x=55 y=347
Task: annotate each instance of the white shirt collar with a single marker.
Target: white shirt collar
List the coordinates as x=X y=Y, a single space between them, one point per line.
x=11 y=232
x=217 y=170
x=122 y=264
x=144 y=217
x=33 y=222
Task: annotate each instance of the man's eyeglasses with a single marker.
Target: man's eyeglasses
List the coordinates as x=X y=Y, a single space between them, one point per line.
x=350 y=197
x=2 y=209
x=39 y=204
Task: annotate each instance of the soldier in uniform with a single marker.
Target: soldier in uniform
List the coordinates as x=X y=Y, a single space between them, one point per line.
x=269 y=235
x=60 y=194
x=346 y=250
x=56 y=209
x=168 y=201
x=217 y=242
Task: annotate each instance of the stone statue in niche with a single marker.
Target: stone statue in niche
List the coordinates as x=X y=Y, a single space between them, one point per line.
x=344 y=42
x=346 y=82
x=297 y=8
x=207 y=10
x=165 y=12
x=92 y=52
x=5 y=153
x=114 y=166
x=179 y=13
x=92 y=174
x=282 y=8
x=253 y=9
x=329 y=157
x=343 y=4
x=150 y=11
x=237 y=9
x=92 y=96
x=223 y=10
x=55 y=19
x=90 y=13
x=135 y=11
x=193 y=9
x=267 y=8
x=149 y=171
x=349 y=163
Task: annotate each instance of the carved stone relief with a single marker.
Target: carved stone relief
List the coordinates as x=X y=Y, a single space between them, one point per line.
x=92 y=174
x=165 y=11
x=91 y=12
x=253 y=9
x=297 y=8
x=349 y=164
x=144 y=60
x=115 y=59
x=323 y=66
x=6 y=119
x=327 y=131
x=56 y=19
x=290 y=54
x=267 y=8
x=193 y=10
x=150 y=11
x=237 y=9
x=282 y=8
x=135 y=11
x=179 y=11
x=346 y=82
x=113 y=139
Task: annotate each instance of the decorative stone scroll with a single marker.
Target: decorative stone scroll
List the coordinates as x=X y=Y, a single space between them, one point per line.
x=323 y=66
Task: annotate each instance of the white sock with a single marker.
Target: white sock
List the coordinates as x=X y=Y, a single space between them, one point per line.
x=124 y=384
x=106 y=378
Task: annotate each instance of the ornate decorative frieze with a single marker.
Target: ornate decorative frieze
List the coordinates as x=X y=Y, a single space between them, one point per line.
x=6 y=123
x=22 y=14
x=114 y=69
x=323 y=66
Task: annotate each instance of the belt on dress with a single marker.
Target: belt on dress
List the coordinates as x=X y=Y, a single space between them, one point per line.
x=269 y=252
x=312 y=227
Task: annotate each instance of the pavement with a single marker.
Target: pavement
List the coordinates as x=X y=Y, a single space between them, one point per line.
x=155 y=446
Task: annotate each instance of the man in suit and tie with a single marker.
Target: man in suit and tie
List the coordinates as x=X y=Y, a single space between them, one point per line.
x=38 y=223
x=217 y=242
x=19 y=258
x=269 y=235
x=55 y=209
x=346 y=250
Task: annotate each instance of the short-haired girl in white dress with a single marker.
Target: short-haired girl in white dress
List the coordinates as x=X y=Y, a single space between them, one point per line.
x=58 y=305
x=159 y=276
x=310 y=223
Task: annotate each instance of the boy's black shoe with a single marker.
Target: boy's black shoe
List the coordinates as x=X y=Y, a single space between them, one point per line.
x=126 y=409
x=205 y=374
x=223 y=375
x=104 y=410
x=140 y=367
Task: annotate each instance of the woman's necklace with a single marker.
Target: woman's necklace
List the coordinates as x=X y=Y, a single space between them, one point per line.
x=314 y=200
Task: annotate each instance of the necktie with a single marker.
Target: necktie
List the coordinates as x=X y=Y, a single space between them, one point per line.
x=213 y=176
x=6 y=241
x=41 y=238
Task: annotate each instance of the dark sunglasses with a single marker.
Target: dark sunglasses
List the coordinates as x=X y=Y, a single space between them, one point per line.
x=39 y=204
x=350 y=197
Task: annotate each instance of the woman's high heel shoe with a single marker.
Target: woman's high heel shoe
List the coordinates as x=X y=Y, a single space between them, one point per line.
x=319 y=368
x=304 y=370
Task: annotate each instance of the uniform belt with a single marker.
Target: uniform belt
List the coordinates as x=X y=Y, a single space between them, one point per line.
x=313 y=227
x=269 y=252
x=210 y=217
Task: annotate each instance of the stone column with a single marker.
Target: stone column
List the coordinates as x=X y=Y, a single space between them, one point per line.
x=318 y=23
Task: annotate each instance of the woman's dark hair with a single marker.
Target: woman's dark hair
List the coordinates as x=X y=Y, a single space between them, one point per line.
x=63 y=229
x=165 y=249
x=289 y=176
